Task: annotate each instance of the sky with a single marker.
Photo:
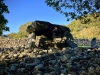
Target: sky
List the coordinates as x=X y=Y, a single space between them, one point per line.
x=23 y=11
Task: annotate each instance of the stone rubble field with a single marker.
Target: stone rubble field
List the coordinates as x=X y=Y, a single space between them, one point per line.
x=16 y=60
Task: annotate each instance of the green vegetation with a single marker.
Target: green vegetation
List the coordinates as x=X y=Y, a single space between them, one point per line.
x=22 y=33
x=88 y=30
x=73 y=9
x=3 y=20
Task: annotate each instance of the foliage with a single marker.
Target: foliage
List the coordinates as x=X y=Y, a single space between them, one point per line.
x=22 y=30
x=12 y=35
x=88 y=30
x=3 y=20
x=22 y=33
x=74 y=9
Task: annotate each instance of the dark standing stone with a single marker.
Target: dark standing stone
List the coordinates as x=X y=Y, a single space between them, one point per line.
x=93 y=43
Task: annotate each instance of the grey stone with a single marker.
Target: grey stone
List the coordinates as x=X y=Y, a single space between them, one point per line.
x=31 y=36
x=30 y=66
x=40 y=66
x=91 y=70
x=64 y=71
x=93 y=43
x=31 y=41
x=22 y=70
x=63 y=58
x=53 y=62
x=37 y=61
x=13 y=67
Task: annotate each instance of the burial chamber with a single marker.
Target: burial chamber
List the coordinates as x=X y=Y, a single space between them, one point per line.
x=51 y=34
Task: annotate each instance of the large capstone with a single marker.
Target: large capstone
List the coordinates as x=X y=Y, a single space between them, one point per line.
x=52 y=32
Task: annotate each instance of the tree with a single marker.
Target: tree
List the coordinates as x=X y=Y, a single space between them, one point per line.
x=79 y=8
x=12 y=35
x=3 y=20
x=22 y=30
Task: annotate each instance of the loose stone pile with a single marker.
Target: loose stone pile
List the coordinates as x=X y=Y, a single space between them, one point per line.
x=21 y=61
x=8 y=43
x=17 y=59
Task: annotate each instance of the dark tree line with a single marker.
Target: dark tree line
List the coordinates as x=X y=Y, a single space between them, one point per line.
x=3 y=20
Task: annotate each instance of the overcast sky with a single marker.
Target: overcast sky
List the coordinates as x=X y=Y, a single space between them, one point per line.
x=23 y=11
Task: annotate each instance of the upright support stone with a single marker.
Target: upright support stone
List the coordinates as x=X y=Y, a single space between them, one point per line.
x=69 y=39
x=31 y=40
x=32 y=36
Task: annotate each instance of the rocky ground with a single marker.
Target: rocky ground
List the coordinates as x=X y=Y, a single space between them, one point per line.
x=8 y=43
x=16 y=60
x=21 y=61
x=21 y=42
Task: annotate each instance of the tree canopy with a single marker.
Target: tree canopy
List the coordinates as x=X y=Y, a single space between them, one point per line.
x=22 y=33
x=3 y=20
x=79 y=8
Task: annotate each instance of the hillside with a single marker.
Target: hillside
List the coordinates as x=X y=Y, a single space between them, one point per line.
x=86 y=30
